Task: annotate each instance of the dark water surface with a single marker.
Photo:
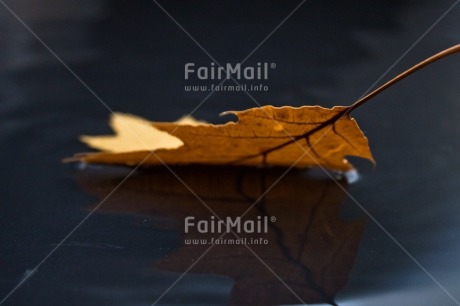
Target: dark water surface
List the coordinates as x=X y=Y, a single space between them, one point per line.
x=395 y=241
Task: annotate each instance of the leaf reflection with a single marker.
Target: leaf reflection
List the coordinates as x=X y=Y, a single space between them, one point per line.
x=308 y=247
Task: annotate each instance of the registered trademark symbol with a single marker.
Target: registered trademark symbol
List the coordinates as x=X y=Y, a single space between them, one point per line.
x=273 y=66
x=273 y=219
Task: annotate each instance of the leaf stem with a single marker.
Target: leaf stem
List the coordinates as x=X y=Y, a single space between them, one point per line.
x=426 y=62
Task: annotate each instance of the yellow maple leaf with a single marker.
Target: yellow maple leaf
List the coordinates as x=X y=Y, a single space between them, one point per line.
x=282 y=136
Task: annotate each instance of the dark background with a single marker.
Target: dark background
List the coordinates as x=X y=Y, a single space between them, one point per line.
x=132 y=55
